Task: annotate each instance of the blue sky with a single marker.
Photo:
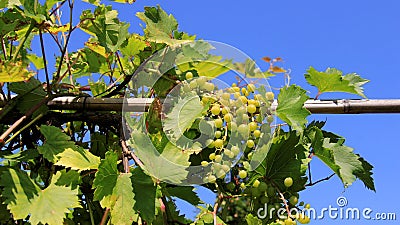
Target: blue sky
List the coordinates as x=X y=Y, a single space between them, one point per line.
x=353 y=36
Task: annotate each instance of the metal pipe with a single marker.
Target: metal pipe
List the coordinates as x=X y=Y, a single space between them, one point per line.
x=344 y=106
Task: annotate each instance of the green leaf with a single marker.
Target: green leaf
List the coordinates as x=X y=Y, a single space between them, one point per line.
x=332 y=80
x=14 y=72
x=122 y=210
x=106 y=179
x=184 y=192
x=182 y=115
x=77 y=159
x=19 y=191
x=248 y=68
x=291 y=107
x=98 y=88
x=72 y=179
x=55 y=143
x=169 y=166
x=36 y=60
x=24 y=197
x=105 y=25
x=253 y=220
x=159 y=25
x=133 y=46
x=285 y=159
x=31 y=93
x=341 y=159
x=52 y=203
x=145 y=194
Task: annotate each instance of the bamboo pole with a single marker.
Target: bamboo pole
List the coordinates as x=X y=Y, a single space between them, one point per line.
x=344 y=106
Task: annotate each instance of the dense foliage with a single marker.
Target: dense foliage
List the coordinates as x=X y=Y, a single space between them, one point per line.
x=82 y=167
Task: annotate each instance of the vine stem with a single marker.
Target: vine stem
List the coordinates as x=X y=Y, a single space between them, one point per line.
x=105 y=216
x=45 y=63
x=23 y=128
x=318 y=181
x=282 y=197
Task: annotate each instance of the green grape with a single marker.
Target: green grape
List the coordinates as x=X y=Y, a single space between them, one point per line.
x=193 y=84
x=257 y=133
x=263 y=186
x=235 y=150
x=303 y=219
x=212 y=179
x=186 y=88
x=232 y=126
x=250 y=155
x=293 y=200
x=289 y=221
x=218 y=158
x=270 y=96
x=229 y=153
x=236 y=89
x=251 y=108
x=251 y=87
x=246 y=165
x=258 y=97
x=226 y=96
x=189 y=75
x=208 y=86
x=256 y=183
x=236 y=95
x=218 y=123
x=211 y=156
x=253 y=126
x=201 y=81
x=204 y=163
x=210 y=143
x=218 y=143
x=242 y=174
x=217 y=166
x=243 y=185
x=224 y=110
x=218 y=134
x=250 y=143
x=225 y=168
x=220 y=173
x=307 y=206
x=230 y=186
x=270 y=119
x=243 y=99
x=264 y=199
x=271 y=191
x=288 y=182
x=215 y=109
x=243 y=130
x=228 y=117
x=255 y=192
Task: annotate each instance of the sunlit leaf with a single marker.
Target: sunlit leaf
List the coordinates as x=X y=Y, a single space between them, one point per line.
x=14 y=72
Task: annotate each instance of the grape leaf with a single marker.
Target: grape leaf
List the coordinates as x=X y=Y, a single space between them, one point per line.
x=78 y=159
x=169 y=166
x=31 y=93
x=284 y=159
x=332 y=80
x=291 y=107
x=341 y=159
x=71 y=178
x=212 y=66
x=14 y=72
x=184 y=192
x=145 y=194
x=55 y=142
x=24 y=197
x=19 y=191
x=159 y=25
x=182 y=115
x=52 y=203
x=105 y=25
x=106 y=179
x=253 y=220
x=122 y=210
x=133 y=46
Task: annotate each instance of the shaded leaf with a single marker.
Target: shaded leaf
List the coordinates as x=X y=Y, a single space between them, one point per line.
x=184 y=192
x=55 y=142
x=145 y=194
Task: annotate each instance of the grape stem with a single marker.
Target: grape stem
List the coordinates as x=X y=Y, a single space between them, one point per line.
x=282 y=197
x=318 y=181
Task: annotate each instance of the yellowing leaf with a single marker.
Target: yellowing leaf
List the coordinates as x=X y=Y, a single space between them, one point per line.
x=55 y=29
x=97 y=48
x=14 y=72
